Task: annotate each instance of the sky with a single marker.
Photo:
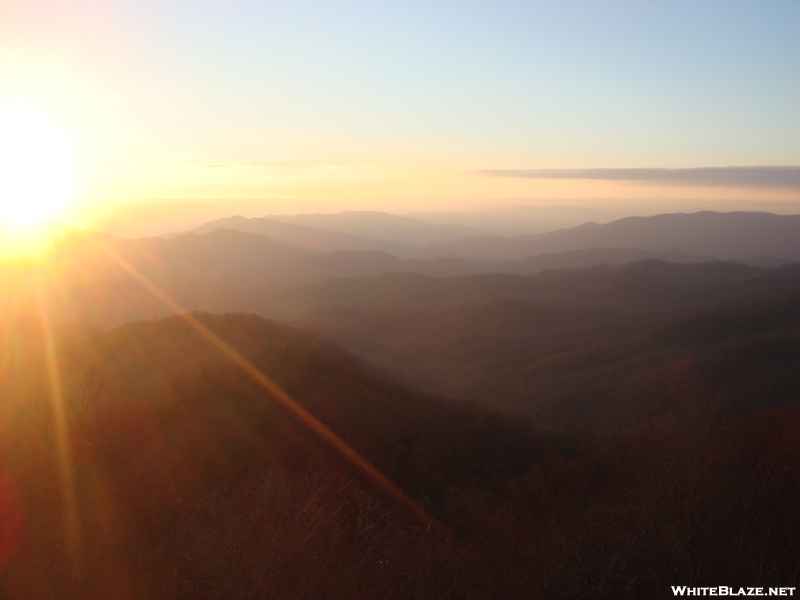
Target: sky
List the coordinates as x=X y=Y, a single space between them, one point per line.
x=181 y=111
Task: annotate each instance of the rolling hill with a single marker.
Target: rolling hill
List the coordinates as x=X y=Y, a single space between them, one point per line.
x=565 y=349
x=302 y=236
x=382 y=226
x=729 y=236
x=626 y=425
x=187 y=477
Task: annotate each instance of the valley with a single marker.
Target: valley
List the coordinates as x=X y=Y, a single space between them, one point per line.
x=397 y=427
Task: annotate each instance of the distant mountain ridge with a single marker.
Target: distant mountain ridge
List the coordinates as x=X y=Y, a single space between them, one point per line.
x=381 y=225
x=348 y=230
x=645 y=285
x=566 y=338
x=514 y=219
x=730 y=236
x=232 y=253
x=228 y=269
x=303 y=236
x=707 y=234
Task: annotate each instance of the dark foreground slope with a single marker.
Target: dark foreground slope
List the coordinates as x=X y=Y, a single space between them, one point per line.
x=185 y=479
x=189 y=480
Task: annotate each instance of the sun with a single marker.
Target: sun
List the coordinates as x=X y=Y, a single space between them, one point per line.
x=36 y=173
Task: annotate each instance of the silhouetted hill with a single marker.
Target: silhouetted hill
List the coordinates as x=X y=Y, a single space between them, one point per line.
x=382 y=226
x=304 y=237
x=94 y=279
x=166 y=471
x=138 y=365
x=588 y=346
x=185 y=470
x=233 y=270
x=645 y=285
x=665 y=399
x=219 y=254
x=589 y=257
x=515 y=219
x=735 y=235
x=232 y=253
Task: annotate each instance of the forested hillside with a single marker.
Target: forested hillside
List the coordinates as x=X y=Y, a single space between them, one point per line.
x=188 y=479
x=222 y=415
x=592 y=346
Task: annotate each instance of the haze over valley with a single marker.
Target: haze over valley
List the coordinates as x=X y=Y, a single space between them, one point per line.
x=356 y=300
x=461 y=378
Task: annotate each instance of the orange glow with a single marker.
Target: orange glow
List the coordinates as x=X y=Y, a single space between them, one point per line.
x=309 y=420
x=29 y=241
x=36 y=172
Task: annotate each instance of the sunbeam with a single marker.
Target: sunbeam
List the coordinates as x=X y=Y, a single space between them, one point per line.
x=276 y=392
x=61 y=433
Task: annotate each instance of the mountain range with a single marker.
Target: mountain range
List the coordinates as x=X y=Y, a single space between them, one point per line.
x=730 y=236
x=590 y=421
x=303 y=236
x=382 y=226
x=218 y=268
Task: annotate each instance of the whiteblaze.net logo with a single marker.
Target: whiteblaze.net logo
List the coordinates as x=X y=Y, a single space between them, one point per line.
x=723 y=590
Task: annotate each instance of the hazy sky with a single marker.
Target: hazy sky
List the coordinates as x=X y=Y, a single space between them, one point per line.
x=402 y=106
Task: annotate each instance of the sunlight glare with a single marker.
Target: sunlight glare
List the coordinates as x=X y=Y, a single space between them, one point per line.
x=36 y=174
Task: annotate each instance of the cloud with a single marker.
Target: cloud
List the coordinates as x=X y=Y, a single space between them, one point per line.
x=757 y=176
